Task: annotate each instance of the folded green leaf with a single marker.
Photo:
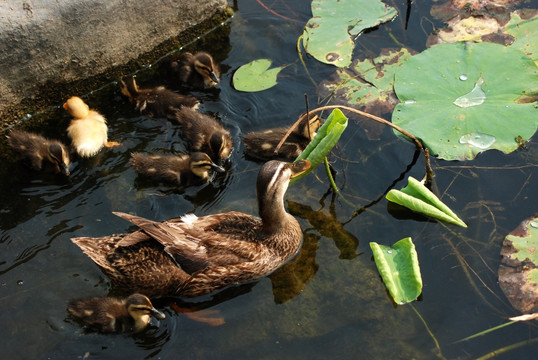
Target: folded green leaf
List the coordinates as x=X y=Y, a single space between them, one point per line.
x=399 y=268
x=417 y=197
x=326 y=137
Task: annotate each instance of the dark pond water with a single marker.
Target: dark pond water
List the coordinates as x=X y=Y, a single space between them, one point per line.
x=329 y=302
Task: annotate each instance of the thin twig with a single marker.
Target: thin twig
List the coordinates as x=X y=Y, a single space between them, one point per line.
x=439 y=354
x=275 y=13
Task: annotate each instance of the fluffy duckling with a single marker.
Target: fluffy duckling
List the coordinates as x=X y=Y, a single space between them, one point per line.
x=192 y=256
x=263 y=143
x=198 y=70
x=182 y=170
x=109 y=314
x=205 y=134
x=157 y=102
x=41 y=153
x=88 y=129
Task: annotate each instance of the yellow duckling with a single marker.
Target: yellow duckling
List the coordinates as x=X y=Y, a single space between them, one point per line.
x=192 y=256
x=88 y=129
x=109 y=315
x=198 y=70
x=263 y=143
x=205 y=134
x=41 y=153
x=158 y=101
x=181 y=170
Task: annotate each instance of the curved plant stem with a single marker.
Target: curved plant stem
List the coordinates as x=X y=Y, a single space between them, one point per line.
x=275 y=13
x=299 y=40
x=439 y=353
x=507 y=348
x=333 y=184
x=486 y=331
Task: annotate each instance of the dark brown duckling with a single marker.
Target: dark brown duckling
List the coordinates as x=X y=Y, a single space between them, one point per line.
x=156 y=102
x=182 y=170
x=198 y=70
x=109 y=315
x=205 y=134
x=41 y=153
x=263 y=143
x=192 y=256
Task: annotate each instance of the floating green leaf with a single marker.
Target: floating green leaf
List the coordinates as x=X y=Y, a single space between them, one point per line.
x=256 y=76
x=399 y=268
x=419 y=198
x=326 y=137
x=329 y=35
x=526 y=33
x=487 y=79
x=518 y=271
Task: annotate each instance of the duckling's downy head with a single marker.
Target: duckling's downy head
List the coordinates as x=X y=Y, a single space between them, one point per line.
x=59 y=156
x=128 y=86
x=308 y=128
x=200 y=165
x=220 y=143
x=205 y=66
x=76 y=107
x=141 y=310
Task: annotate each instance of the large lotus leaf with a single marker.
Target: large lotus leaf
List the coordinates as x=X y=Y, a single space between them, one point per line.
x=398 y=266
x=255 y=76
x=367 y=84
x=326 y=137
x=462 y=98
x=518 y=272
x=525 y=32
x=329 y=34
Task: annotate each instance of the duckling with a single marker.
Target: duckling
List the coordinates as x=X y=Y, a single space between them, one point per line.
x=263 y=143
x=158 y=102
x=205 y=134
x=88 y=129
x=192 y=256
x=179 y=170
x=41 y=153
x=198 y=70
x=108 y=314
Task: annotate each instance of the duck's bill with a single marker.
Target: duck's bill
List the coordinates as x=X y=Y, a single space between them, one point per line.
x=299 y=167
x=65 y=169
x=217 y=168
x=214 y=77
x=157 y=314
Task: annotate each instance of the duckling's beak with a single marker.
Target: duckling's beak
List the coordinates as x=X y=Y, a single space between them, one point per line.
x=65 y=169
x=217 y=168
x=299 y=167
x=65 y=105
x=157 y=314
x=214 y=77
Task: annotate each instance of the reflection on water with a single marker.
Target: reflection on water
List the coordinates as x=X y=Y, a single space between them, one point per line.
x=327 y=301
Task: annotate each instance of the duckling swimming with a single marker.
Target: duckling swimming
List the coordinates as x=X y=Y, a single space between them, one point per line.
x=88 y=129
x=192 y=256
x=158 y=101
x=108 y=314
x=198 y=70
x=205 y=134
x=181 y=170
x=263 y=143
x=41 y=153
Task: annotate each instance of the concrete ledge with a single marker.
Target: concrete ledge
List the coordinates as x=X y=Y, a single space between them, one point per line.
x=53 y=41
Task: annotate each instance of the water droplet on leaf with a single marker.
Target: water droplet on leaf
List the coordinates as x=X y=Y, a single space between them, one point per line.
x=479 y=140
x=463 y=77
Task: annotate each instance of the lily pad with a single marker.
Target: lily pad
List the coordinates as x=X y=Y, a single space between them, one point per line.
x=526 y=33
x=419 y=198
x=329 y=35
x=326 y=137
x=367 y=84
x=518 y=271
x=398 y=266
x=487 y=79
x=256 y=76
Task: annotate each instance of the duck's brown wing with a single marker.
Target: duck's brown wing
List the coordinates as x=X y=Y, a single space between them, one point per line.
x=208 y=241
